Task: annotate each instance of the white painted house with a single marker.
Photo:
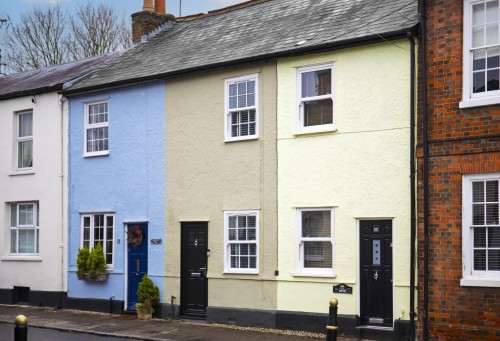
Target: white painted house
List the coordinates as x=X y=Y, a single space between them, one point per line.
x=33 y=182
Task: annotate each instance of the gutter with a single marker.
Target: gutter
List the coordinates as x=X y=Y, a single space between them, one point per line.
x=413 y=213
x=378 y=38
x=425 y=175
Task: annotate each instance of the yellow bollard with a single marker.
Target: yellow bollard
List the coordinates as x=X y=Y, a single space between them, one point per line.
x=331 y=328
x=21 y=328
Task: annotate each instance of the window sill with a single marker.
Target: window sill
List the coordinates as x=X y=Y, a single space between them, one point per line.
x=235 y=272
x=490 y=282
x=22 y=259
x=238 y=139
x=106 y=153
x=479 y=102
x=309 y=274
x=22 y=172
x=330 y=129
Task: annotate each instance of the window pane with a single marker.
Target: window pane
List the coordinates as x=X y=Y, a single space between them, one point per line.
x=477 y=36
x=232 y=89
x=492 y=11
x=318 y=112
x=479 y=260
x=479 y=60
x=316 y=224
x=25 y=215
x=478 y=82
x=25 y=124
x=13 y=215
x=13 y=241
x=242 y=88
x=25 y=154
x=479 y=237
x=478 y=191
x=492 y=214
x=26 y=241
x=492 y=34
x=493 y=57
x=251 y=87
x=494 y=260
x=478 y=12
x=492 y=191
x=316 y=83
x=317 y=255
x=494 y=237
x=493 y=80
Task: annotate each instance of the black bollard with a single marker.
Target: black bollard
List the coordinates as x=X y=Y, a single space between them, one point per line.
x=21 y=328
x=331 y=328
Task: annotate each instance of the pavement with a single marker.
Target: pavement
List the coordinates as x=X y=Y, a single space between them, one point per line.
x=129 y=327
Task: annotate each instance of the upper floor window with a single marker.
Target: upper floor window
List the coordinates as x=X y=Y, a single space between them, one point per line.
x=241 y=98
x=25 y=140
x=99 y=229
x=24 y=228
x=315 y=98
x=315 y=242
x=96 y=129
x=481 y=229
x=241 y=236
x=481 y=76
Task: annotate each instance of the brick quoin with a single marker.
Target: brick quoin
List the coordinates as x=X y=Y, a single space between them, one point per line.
x=460 y=142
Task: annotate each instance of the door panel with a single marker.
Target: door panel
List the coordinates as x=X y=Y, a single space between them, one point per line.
x=376 y=272
x=137 y=264
x=194 y=289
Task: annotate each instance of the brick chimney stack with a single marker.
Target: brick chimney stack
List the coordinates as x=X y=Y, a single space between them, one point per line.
x=152 y=16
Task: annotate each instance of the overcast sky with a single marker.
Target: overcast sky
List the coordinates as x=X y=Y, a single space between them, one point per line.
x=13 y=8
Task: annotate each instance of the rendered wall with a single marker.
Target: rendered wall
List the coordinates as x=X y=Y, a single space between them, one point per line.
x=46 y=184
x=128 y=182
x=206 y=176
x=361 y=170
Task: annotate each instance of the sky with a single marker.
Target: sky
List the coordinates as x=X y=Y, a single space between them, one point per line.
x=13 y=8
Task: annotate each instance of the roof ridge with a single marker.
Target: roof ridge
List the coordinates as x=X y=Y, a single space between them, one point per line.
x=220 y=10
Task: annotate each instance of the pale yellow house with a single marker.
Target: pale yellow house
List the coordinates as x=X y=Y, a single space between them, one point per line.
x=344 y=204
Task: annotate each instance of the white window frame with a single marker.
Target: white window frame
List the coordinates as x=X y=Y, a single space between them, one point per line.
x=88 y=126
x=227 y=242
x=469 y=99
x=469 y=276
x=313 y=272
x=228 y=112
x=109 y=266
x=23 y=139
x=19 y=227
x=301 y=129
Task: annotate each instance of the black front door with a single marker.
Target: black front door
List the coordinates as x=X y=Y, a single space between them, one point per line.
x=376 y=272
x=194 y=293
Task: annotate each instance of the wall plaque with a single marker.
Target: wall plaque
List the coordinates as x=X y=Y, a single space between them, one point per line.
x=155 y=241
x=342 y=289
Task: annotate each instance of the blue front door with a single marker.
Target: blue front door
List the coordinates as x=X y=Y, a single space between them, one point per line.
x=137 y=246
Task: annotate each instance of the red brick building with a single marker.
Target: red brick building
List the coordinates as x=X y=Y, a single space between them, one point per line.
x=459 y=171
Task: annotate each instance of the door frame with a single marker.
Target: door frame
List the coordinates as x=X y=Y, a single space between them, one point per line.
x=358 y=265
x=125 y=256
x=184 y=225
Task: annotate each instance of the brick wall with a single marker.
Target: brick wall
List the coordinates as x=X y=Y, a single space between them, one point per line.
x=461 y=141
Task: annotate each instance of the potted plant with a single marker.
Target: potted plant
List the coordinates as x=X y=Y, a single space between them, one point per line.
x=81 y=262
x=148 y=295
x=96 y=265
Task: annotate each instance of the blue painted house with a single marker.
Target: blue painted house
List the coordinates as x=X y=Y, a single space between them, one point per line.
x=116 y=191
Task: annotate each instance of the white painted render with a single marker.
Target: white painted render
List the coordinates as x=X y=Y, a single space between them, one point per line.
x=45 y=184
x=361 y=169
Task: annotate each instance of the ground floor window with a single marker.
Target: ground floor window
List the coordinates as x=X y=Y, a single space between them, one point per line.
x=97 y=229
x=241 y=239
x=24 y=233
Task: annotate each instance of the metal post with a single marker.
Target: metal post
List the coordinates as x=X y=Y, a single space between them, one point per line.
x=21 y=328
x=331 y=328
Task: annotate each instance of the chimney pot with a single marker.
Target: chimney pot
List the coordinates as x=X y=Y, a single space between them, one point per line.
x=148 y=6
x=160 y=6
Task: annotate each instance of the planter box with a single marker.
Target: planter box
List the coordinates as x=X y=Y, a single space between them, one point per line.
x=98 y=278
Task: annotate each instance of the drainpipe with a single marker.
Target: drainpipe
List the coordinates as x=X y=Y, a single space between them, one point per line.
x=412 y=185
x=61 y=175
x=425 y=175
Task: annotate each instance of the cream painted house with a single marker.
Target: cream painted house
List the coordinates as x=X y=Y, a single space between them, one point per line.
x=344 y=201
x=33 y=183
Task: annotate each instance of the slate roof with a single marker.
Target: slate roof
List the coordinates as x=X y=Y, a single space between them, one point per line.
x=51 y=78
x=263 y=29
